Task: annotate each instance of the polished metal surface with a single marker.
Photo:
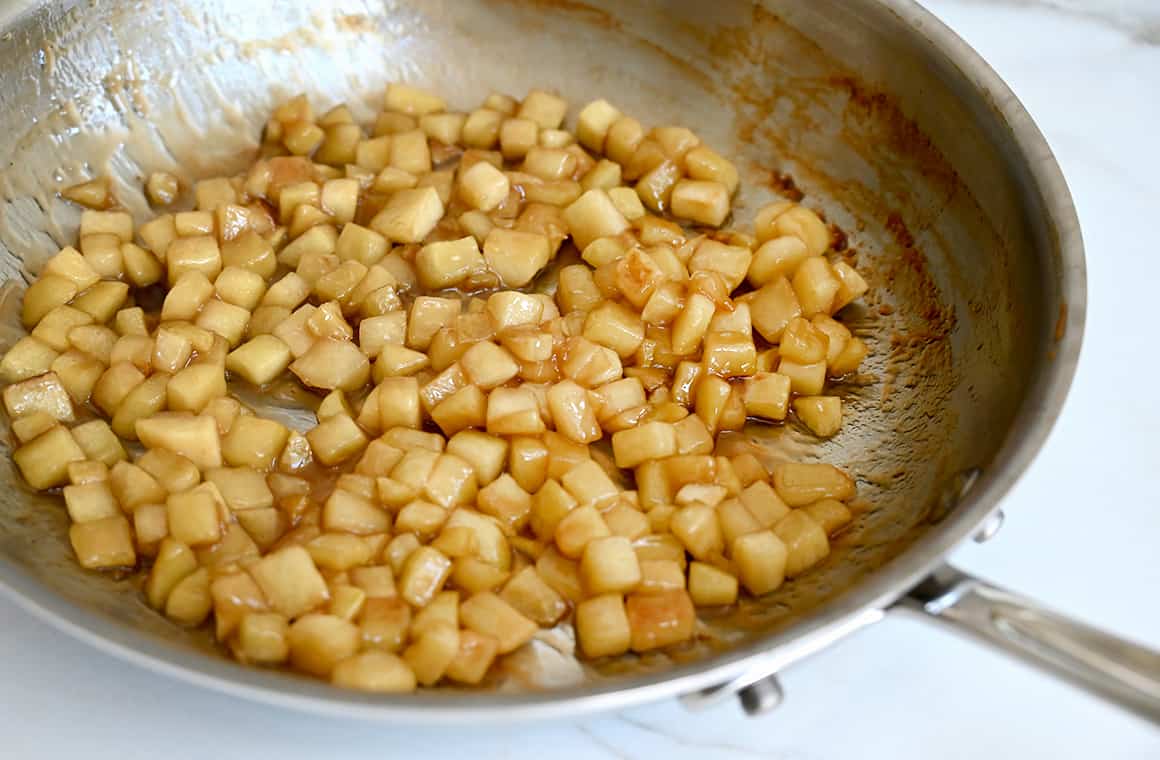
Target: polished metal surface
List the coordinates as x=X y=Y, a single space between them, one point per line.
x=947 y=193
x=1119 y=670
x=747 y=684
x=990 y=527
x=761 y=697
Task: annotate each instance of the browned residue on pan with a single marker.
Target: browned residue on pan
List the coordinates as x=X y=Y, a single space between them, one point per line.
x=598 y=17
x=901 y=133
x=839 y=242
x=782 y=184
x=584 y=12
x=898 y=230
x=870 y=123
x=1061 y=322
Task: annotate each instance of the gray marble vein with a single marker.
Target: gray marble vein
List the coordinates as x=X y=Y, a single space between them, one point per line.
x=714 y=749
x=1139 y=19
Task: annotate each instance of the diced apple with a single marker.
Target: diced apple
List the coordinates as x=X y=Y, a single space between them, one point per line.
x=516 y=256
x=602 y=626
x=805 y=541
x=761 y=561
x=44 y=461
x=102 y=544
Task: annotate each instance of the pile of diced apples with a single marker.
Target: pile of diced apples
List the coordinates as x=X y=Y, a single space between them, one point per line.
x=450 y=502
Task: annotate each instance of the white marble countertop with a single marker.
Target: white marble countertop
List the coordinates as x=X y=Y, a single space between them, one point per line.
x=1080 y=534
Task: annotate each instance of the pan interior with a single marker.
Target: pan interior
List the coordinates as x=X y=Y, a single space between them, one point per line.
x=955 y=318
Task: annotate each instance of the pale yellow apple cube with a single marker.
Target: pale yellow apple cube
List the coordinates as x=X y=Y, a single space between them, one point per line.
x=486 y=453
x=409 y=215
x=172 y=472
x=652 y=440
x=432 y=653
x=190 y=602
x=489 y=615
x=447 y=263
x=195 y=517
x=412 y=101
x=336 y=439
x=593 y=123
x=451 y=482
x=516 y=256
x=761 y=561
x=253 y=442
x=191 y=436
x=483 y=186
x=290 y=581
x=45 y=294
x=262 y=638
x=660 y=620
x=44 y=461
x=378 y=672
x=602 y=627
x=805 y=542
x=831 y=514
x=593 y=215
x=772 y=307
x=701 y=201
x=90 y=501
x=821 y=414
x=609 y=565
x=531 y=596
x=766 y=395
x=260 y=360
x=331 y=364
x=104 y=543
x=319 y=642
x=423 y=575
x=488 y=365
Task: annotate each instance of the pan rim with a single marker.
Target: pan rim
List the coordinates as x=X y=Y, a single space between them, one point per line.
x=1030 y=428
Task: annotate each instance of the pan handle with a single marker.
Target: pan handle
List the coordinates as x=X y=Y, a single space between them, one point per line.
x=1123 y=672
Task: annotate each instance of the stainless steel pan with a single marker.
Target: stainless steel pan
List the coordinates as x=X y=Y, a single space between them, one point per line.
x=940 y=184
